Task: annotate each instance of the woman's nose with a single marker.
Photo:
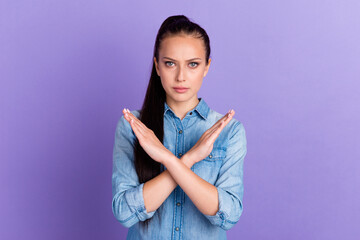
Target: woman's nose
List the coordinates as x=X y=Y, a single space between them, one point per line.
x=181 y=74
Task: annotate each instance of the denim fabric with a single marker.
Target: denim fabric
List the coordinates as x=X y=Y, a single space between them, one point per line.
x=180 y=219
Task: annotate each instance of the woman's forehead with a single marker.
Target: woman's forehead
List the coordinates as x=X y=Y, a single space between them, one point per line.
x=183 y=47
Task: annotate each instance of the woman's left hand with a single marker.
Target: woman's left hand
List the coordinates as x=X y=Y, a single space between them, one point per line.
x=147 y=138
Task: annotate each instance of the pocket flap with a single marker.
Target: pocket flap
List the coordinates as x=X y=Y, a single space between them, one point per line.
x=216 y=154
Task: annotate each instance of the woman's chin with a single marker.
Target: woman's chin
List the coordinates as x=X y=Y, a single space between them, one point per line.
x=180 y=98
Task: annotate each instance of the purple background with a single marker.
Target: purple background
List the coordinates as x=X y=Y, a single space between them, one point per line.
x=290 y=69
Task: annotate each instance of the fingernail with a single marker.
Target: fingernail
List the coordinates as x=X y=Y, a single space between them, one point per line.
x=128 y=110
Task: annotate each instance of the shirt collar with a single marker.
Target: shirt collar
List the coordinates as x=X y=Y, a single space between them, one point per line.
x=201 y=108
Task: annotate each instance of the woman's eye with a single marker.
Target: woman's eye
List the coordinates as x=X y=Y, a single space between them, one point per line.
x=194 y=64
x=170 y=64
x=166 y=63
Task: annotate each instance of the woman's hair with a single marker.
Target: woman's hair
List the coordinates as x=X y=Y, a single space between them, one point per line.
x=152 y=111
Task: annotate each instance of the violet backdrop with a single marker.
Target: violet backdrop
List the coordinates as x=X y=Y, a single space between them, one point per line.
x=290 y=69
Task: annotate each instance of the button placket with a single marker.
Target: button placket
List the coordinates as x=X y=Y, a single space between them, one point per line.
x=179 y=193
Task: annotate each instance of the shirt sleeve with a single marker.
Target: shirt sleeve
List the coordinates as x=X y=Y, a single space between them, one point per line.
x=230 y=181
x=127 y=194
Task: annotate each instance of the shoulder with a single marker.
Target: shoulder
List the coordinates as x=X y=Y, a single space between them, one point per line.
x=123 y=126
x=233 y=127
x=232 y=138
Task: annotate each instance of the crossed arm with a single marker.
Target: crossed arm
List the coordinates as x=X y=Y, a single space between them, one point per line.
x=203 y=194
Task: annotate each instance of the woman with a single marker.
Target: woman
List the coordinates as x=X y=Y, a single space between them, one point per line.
x=177 y=164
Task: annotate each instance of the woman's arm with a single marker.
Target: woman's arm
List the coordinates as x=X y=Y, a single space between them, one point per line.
x=127 y=193
x=230 y=180
x=221 y=204
x=203 y=194
x=162 y=185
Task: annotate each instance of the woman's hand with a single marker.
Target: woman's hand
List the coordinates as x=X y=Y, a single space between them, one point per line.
x=205 y=144
x=147 y=138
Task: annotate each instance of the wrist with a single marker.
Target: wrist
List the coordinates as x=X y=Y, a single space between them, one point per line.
x=187 y=160
x=166 y=157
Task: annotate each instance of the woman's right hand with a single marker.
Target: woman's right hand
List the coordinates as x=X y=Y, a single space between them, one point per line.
x=205 y=144
x=147 y=138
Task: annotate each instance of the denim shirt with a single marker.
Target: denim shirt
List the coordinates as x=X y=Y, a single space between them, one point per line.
x=180 y=218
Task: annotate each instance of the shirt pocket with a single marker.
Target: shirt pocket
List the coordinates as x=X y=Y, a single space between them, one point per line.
x=208 y=168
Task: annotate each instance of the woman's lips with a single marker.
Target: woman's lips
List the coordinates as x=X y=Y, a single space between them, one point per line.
x=180 y=90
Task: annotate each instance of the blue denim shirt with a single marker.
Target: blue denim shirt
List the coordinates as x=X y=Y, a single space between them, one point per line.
x=180 y=219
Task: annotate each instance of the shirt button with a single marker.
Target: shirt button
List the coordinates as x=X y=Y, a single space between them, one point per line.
x=210 y=156
x=178 y=204
x=180 y=131
x=177 y=229
x=190 y=113
x=180 y=154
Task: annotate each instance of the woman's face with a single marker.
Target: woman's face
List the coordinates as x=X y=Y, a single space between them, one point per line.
x=182 y=64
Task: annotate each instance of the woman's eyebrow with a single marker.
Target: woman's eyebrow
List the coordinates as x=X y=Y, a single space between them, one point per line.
x=186 y=60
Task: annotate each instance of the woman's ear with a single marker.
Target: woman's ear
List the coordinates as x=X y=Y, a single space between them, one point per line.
x=156 y=66
x=207 y=67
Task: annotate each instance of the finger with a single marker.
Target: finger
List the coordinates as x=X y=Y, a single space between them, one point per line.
x=215 y=133
x=126 y=116
x=127 y=113
x=141 y=127
x=132 y=116
x=215 y=130
x=129 y=116
x=215 y=126
x=219 y=121
x=226 y=121
x=135 y=127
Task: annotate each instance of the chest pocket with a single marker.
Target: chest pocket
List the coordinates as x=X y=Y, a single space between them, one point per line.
x=208 y=168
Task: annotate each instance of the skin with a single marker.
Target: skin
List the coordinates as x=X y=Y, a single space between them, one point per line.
x=182 y=63
x=180 y=72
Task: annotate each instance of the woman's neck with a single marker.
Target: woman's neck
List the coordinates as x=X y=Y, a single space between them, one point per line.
x=181 y=108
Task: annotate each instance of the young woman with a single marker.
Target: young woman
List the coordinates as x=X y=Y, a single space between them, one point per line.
x=177 y=164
